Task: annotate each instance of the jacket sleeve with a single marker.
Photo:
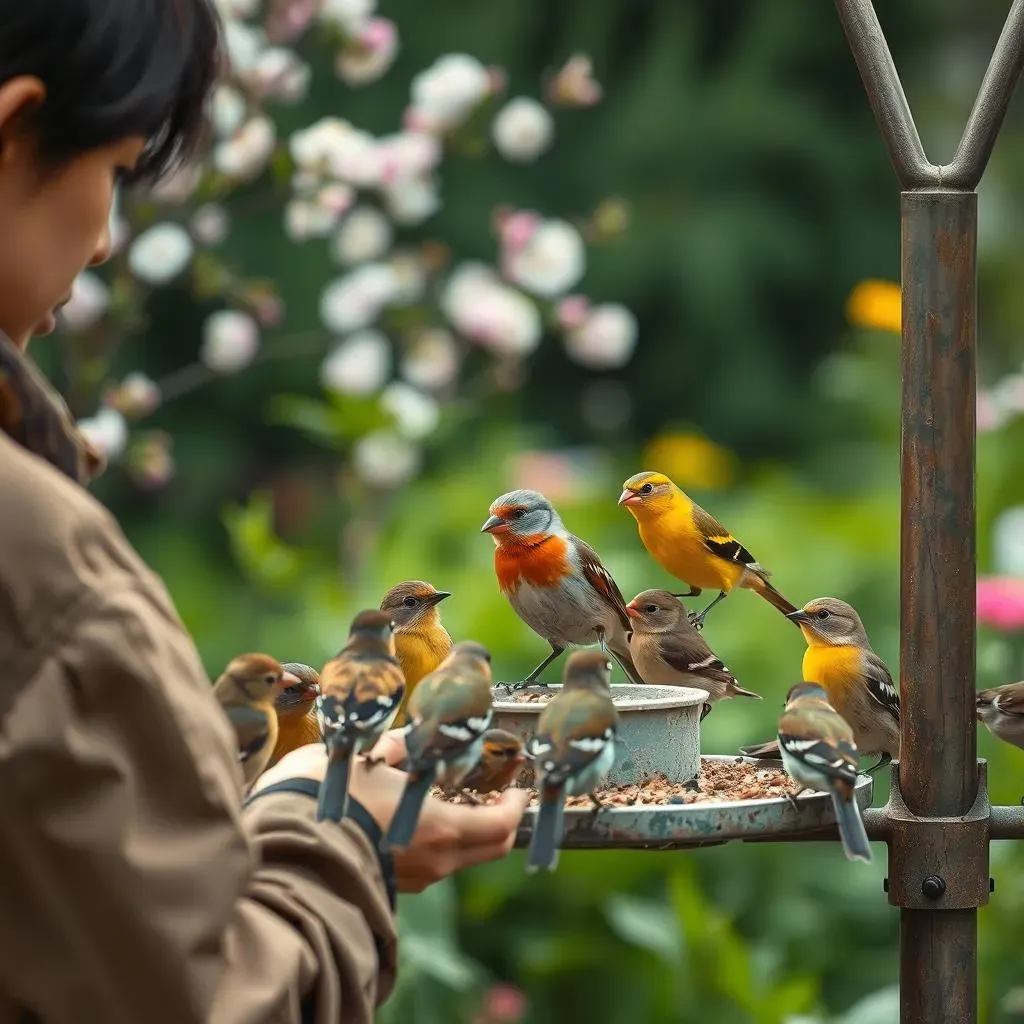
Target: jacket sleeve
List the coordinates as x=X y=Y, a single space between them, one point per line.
x=133 y=885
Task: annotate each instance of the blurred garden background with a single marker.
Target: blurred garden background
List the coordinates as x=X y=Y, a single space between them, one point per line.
x=442 y=248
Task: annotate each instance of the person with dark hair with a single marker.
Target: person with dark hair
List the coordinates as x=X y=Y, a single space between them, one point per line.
x=135 y=887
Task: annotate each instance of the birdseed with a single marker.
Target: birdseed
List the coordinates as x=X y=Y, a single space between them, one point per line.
x=717 y=781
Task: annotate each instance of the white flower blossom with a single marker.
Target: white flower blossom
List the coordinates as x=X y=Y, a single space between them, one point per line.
x=210 y=224
x=89 y=300
x=368 y=54
x=411 y=200
x=238 y=8
x=244 y=44
x=359 y=365
x=107 y=430
x=227 y=110
x=333 y=147
x=178 y=187
x=410 y=278
x=247 y=153
x=348 y=15
x=550 y=260
x=487 y=311
x=231 y=340
x=356 y=300
x=605 y=340
x=386 y=459
x=447 y=92
x=431 y=361
x=306 y=218
x=522 y=130
x=365 y=234
x=160 y=253
x=407 y=155
x=279 y=72
x=416 y=414
x=574 y=85
x=136 y=396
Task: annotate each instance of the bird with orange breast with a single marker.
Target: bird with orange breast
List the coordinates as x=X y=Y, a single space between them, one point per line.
x=421 y=641
x=692 y=545
x=555 y=582
x=297 y=720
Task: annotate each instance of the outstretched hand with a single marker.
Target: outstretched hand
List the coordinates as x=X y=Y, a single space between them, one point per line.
x=449 y=837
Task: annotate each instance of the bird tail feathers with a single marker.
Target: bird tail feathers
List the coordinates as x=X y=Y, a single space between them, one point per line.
x=851 y=828
x=772 y=595
x=547 y=831
x=407 y=816
x=767 y=750
x=332 y=804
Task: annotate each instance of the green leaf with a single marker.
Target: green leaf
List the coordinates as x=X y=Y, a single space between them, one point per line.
x=441 y=961
x=334 y=423
x=644 y=923
x=263 y=556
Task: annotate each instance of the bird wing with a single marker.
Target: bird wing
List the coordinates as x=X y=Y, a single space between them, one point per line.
x=572 y=732
x=449 y=711
x=367 y=686
x=601 y=580
x=1009 y=698
x=880 y=685
x=252 y=727
x=691 y=654
x=719 y=541
x=821 y=739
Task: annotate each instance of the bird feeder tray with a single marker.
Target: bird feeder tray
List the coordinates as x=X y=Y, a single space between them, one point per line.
x=707 y=823
x=659 y=728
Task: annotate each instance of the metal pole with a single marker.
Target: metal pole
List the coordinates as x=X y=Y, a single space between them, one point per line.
x=938 y=772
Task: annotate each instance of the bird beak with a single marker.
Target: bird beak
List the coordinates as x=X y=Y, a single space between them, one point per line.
x=628 y=497
x=493 y=523
x=798 y=616
x=436 y=598
x=632 y=611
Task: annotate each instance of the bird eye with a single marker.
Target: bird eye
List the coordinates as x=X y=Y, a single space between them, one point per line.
x=410 y=601
x=647 y=489
x=823 y=613
x=517 y=513
x=650 y=608
x=270 y=680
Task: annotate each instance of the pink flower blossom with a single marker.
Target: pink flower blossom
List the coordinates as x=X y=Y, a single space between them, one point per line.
x=1001 y=603
x=505 y=1004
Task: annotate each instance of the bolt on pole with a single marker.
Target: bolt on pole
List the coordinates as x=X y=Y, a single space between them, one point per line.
x=938 y=778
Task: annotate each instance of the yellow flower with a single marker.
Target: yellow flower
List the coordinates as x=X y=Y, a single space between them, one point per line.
x=691 y=460
x=875 y=305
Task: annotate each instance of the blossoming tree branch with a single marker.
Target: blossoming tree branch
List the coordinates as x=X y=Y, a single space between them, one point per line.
x=355 y=194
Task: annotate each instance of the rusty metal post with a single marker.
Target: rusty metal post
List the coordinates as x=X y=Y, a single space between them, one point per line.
x=934 y=860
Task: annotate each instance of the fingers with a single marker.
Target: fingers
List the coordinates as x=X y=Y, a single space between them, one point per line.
x=492 y=825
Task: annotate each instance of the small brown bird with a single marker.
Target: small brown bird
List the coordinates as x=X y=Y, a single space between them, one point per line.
x=1001 y=708
x=667 y=649
x=297 y=720
x=246 y=690
x=360 y=691
x=448 y=716
x=502 y=756
x=421 y=642
x=573 y=750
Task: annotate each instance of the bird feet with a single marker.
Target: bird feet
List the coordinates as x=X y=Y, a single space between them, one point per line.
x=598 y=806
x=696 y=620
x=372 y=762
x=526 y=684
x=791 y=797
x=471 y=798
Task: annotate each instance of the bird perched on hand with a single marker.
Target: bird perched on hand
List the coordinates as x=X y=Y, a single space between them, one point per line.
x=421 y=642
x=449 y=713
x=692 y=545
x=819 y=753
x=573 y=749
x=858 y=683
x=555 y=582
x=360 y=691
x=502 y=756
x=246 y=690
x=297 y=720
x=667 y=649
x=1001 y=708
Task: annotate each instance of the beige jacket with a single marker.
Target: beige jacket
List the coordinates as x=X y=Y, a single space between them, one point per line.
x=134 y=887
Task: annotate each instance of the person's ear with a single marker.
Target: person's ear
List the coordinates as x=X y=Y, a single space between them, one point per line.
x=19 y=97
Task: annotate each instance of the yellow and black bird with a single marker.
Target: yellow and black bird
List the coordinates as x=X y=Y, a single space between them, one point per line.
x=449 y=713
x=819 y=753
x=573 y=750
x=858 y=683
x=246 y=690
x=421 y=641
x=692 y=545
x=1001 y=708
x=503 y=755
x=668 y=650
x=360 y=691
x=298 y=721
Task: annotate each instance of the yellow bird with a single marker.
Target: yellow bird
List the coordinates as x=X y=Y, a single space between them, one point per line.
x=421 y=642
x=692 y=545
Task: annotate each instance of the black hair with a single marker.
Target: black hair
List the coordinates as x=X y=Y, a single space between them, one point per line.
x=112 y=69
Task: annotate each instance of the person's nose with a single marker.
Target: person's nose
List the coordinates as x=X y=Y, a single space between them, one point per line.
x=103 y=246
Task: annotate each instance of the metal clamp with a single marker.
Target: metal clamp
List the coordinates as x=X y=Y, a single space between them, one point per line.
x=938 y=863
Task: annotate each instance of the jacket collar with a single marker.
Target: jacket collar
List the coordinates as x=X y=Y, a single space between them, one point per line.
x=35 y=416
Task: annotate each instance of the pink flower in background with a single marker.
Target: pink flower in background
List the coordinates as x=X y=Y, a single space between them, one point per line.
x=1001 y=603
x=503 y=1004
x=574 y=85
x=551 y=473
